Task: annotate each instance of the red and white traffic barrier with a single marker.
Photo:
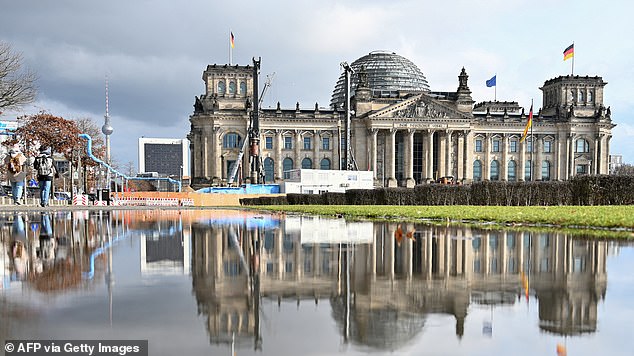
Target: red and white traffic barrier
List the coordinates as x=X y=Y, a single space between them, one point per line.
x=80 y=199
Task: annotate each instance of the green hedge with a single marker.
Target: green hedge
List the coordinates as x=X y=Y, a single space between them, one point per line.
x=581 y=190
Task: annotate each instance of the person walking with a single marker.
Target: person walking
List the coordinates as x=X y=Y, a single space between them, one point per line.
x=45 y=172
x=16 y=164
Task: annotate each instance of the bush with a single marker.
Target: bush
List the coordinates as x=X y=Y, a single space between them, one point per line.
x=331 y=198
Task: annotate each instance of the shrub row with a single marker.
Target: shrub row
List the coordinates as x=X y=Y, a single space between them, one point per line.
x=582 y=190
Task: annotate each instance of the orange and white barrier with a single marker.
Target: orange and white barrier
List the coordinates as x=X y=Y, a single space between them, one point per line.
x=100 y=203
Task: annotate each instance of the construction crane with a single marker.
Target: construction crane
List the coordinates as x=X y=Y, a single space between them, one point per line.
x=238 y=163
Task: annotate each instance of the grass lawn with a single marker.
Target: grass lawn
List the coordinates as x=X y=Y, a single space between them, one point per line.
x=610 y=217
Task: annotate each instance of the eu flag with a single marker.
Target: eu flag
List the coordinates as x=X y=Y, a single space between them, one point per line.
x=491 y=82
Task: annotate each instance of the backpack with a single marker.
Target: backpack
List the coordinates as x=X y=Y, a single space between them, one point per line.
x=44 y=166
x=14 y=165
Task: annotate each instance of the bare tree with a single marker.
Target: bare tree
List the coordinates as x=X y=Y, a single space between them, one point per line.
x=17 y=84
x=129 y=169
x=88 y=126
x=624 y=170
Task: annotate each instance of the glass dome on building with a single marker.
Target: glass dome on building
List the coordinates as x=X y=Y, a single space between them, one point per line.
x=387 y=72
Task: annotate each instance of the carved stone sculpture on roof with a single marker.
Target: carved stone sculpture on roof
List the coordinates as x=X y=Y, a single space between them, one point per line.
x=198 y=106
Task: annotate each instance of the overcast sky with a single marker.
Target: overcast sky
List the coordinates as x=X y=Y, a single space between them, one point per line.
x=154 y=52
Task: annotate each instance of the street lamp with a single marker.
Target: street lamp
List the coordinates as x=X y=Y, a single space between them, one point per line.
x=180 y=187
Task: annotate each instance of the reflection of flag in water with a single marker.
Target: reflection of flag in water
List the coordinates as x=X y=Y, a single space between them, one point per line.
x=398 y=235
x=524 y=284
x=561 y=350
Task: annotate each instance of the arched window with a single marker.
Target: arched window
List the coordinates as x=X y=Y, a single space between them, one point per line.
x=512 y=175
x=495 y=170
x=221 y=87
x=590 y=96
x=269 y=168
x=287 y=165
x=325 y=164
x=477 y=170
x=527 y=170
x=307 y=163
x=582 y=146
x=243 y=88
x=582 y=96
x=545 y=170
x=573 y=95
x=232 y=87
x=231 y=140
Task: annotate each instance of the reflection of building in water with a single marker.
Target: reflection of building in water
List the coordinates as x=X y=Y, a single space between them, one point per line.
x=165 y=249
x=384 y=296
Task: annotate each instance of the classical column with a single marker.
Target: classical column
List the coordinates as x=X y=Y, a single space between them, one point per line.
x=298 y=147
x=205 y=160
x=409 y=158
x=571 y=156
x=556 y=158
x=373 y=151
x=595 y=157
x=391 y=158
x=336 y=148
x=442 y=153
x=567 y=159
x=279 y=142
x=606 y=154
x=538 y=156
x=486 y=165
x=429 y=155
x=316 y=143
x=448 y=150
x=504 y=163
x=460 y=159
x=521 y=171
x=468 y=163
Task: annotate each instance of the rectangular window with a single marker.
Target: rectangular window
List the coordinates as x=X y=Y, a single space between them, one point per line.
x=513 y=146
x=529 y=145
x=288 y=143
x=496 y=146
x=325 y=143
x=268 y=143
x=548 y=146
x=478 y=145
x=582 y=169
x=307 y=143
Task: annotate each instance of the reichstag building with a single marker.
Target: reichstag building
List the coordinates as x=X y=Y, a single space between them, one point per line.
x=403 y=131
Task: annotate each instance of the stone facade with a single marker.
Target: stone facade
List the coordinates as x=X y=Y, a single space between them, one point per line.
x=406 y=137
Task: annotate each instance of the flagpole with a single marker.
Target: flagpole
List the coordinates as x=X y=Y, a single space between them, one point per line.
x=573 y=59
x=532 y=146
x=495 y=89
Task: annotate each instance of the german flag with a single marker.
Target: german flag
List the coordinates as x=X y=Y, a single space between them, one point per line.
x=233 y=44
x=569 y=52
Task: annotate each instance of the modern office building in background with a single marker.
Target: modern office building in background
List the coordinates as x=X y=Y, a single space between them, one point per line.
x=168 y=157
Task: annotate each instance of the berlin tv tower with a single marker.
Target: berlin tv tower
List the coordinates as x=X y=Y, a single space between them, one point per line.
x=106 y=129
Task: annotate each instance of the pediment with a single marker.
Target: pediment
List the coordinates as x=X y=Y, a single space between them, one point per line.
x=421 y=106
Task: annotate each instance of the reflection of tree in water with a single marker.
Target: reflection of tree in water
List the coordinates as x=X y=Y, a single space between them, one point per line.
x=58 y=277
x=383 y=329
